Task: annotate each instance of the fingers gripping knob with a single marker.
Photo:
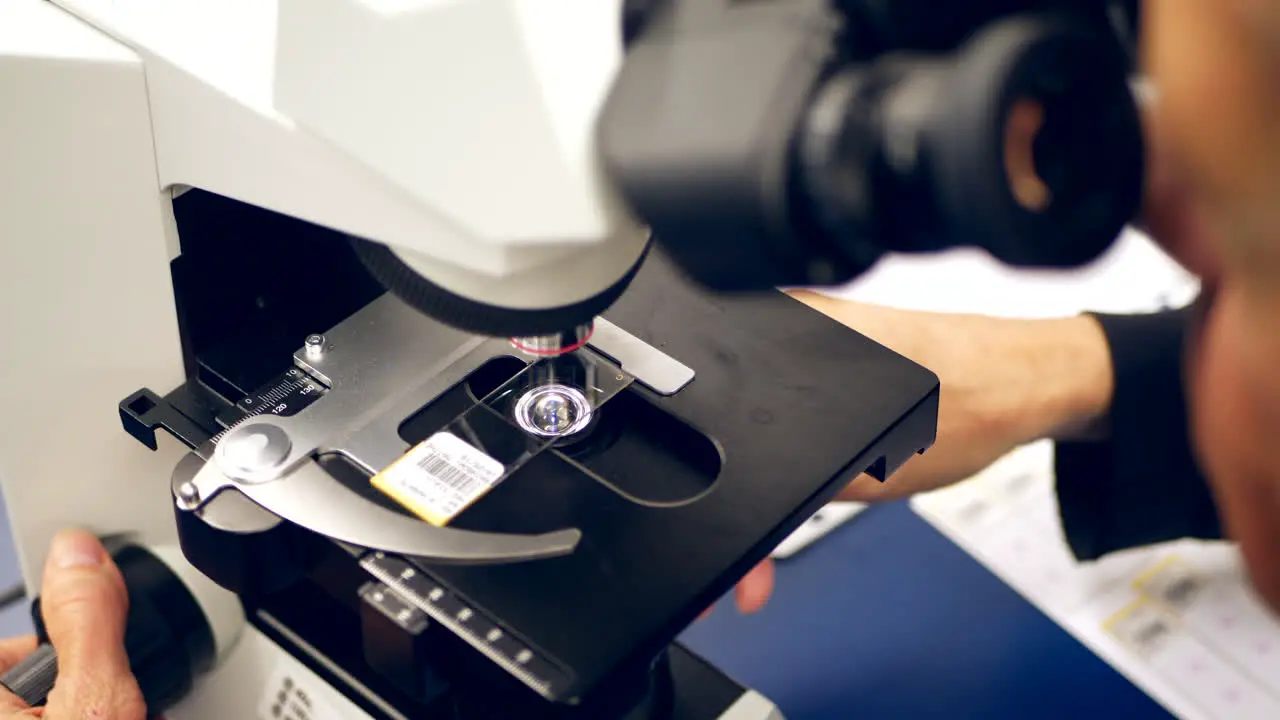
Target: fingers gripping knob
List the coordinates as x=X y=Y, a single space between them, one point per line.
x=177 y=627
x=32 y=678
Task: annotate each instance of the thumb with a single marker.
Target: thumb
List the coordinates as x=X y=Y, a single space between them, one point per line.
x=85 y=604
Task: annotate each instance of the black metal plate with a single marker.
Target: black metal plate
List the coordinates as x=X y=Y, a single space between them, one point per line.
x=797 y=403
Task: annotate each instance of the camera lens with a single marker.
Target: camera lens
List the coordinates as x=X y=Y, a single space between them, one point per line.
x=1025 y=142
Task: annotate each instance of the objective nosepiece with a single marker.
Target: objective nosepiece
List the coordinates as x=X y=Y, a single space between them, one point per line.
x=554 y=344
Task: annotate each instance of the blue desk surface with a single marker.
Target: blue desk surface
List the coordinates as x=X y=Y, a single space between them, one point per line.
x=886 y=618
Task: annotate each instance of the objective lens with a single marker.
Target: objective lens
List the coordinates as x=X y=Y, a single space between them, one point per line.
x=553 y=411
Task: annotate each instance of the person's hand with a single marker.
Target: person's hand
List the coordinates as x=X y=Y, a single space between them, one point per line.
x=84 y=602
x=1005 y=382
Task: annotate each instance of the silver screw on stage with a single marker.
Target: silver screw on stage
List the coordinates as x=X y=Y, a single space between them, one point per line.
x=314 y=345
x=188 y=493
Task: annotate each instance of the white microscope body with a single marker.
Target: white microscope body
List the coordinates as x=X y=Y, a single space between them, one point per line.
x=459 y=132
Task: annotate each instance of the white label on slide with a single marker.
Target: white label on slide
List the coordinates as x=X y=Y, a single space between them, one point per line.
x=439 y=478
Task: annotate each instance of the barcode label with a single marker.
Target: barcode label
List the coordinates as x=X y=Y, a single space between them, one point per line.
x=439 y=478
x=443 y=470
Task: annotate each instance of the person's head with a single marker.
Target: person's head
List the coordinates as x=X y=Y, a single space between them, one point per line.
x=1216 y=67
x=1215 y=124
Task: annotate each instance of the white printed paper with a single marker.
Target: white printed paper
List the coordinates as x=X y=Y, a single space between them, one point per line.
x=1178 y=619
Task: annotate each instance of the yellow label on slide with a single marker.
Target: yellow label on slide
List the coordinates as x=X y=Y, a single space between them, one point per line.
x=439 y=478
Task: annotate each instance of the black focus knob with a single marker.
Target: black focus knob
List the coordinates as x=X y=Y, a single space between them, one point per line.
x=32 y=679
x=168 y=638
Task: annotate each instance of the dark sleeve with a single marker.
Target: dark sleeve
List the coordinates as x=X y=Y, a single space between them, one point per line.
x=1140 y=485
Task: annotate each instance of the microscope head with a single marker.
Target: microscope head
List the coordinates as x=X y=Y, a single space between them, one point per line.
x=574 y=129
x=527 y=150
x=453 y=142
x=481 y=115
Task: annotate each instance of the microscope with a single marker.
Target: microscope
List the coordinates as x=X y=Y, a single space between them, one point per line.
x=437 y=342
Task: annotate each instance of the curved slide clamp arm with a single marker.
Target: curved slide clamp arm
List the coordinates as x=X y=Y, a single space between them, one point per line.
x=381 y=365
x=311 y=498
